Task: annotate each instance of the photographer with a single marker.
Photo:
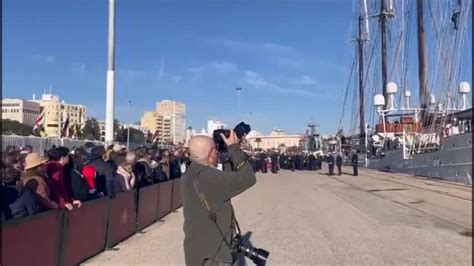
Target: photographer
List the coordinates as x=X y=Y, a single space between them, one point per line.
x=209 y=218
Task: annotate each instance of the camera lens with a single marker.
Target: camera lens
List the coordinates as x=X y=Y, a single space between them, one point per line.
x=257 y=255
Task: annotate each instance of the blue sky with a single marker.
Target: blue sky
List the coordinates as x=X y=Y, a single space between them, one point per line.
x=290 y=57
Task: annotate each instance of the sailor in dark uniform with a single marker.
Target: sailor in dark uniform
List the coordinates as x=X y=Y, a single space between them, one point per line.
x=282 y=161
x=292 y=162
x=312 y=162
x=299 y=160
x=331 y=164
x=339 y=163
x=254 y=163
x=295 y=161
x=355 y=163
x=307 y=165
x=263 y=158
x=318 y=162
x=274 y=159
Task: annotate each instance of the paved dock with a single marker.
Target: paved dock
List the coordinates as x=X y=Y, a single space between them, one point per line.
x=309 y=218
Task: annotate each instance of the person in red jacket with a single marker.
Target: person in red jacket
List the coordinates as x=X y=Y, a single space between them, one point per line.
x=89 y=174
x=58 y=157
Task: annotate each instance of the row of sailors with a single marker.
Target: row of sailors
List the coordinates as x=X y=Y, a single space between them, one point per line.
x=298 y=161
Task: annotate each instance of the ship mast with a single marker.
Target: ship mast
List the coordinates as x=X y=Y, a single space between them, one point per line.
x=422 y=68
x=360 y=45
x=383 y=24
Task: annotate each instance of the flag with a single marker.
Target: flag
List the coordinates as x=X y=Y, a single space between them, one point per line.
x=65 y=129
x=43 y=133
x=72 y=131
x=154 y=139
x=39 y=122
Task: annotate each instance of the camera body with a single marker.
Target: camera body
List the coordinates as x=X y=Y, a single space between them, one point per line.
x=240 y=130
x=259 y=256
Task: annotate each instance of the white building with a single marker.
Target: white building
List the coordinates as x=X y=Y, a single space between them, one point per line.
x=173 y=114
x=25 y=112
x=102 y=130
x=276 y=140
x=57 y=112
x=169 y=119
x=214 y=124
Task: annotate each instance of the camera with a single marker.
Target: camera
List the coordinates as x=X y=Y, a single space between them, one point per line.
x=259 y=256
x=240 y=130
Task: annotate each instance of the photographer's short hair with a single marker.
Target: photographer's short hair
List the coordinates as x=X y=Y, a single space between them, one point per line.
x=199 y=148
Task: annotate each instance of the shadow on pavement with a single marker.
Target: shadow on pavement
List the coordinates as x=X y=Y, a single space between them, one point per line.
x=241 y=259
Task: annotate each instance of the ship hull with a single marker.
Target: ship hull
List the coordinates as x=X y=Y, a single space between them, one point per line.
x=453 y=162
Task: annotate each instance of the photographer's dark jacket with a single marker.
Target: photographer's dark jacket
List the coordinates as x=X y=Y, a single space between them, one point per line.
x=202 y=238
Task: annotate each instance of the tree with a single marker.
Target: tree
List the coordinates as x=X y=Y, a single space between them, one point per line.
x=91 y=129
x=117 y=125
x=14 y=127
x=77 y=132
x=136 y=136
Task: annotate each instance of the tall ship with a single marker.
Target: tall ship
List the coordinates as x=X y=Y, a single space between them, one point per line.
x=434 y=137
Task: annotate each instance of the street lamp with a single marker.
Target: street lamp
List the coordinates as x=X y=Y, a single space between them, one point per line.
x=128 y=129
x=367 y=130
x=110 y=95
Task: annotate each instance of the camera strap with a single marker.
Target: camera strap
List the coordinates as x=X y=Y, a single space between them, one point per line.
x=212 y=215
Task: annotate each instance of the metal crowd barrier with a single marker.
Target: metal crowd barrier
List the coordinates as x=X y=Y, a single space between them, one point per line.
x=33 y=240
x=84 y=232
x=40 y=144
x=147 y=213
x=165 y=193
x=69 y=238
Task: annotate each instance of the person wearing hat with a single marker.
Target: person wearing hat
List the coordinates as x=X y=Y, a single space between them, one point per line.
x=16 y=201
x=105 y=172
x=35 y=180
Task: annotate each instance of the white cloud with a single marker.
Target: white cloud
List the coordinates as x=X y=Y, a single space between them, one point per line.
x=304 y=62
x=266 y=47
x=260 y=82
x=161 y=71
x=45 y=58
x=132 y=75
x=176 y=78
x=212 y=68
x=78 y=67
x=223 y=67
x=304 y=80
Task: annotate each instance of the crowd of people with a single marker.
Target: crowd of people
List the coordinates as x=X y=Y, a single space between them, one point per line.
x=65 y=178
